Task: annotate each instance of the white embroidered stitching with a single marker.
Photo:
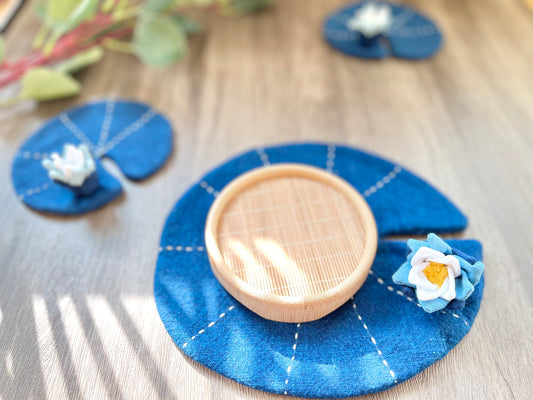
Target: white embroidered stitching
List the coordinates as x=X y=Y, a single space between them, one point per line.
x=383 y=181
x=36 y=190
x=374 y=341
x=36 y=156
x=73 y=128
x=106 y=125
x=414 y=32
x=181 y=248
x=289 y=368
x=263 y=156
x=402 y=19
x=208 y=326
x=209 y=189
x=330 y=163
x=134 y=127
x=410 y=299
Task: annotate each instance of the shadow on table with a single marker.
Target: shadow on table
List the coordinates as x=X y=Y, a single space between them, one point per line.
x=88 y=358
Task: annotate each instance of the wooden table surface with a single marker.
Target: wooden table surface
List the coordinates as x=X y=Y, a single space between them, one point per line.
x=77 y=313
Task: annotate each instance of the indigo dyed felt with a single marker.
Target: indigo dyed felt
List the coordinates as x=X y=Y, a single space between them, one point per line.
x=134 y=136
x=411 y=36
x=373 y=342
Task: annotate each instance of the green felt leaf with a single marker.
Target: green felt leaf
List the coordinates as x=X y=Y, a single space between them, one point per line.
x=190 y=26
x=158 y=40
x=81 y=60
x=60 y=10
x=43 y=84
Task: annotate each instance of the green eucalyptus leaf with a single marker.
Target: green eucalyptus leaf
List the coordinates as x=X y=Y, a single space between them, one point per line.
x=81 y=60
x=158 y=40
x=43 y=84
x=40 y=11
x=84 y=11
x=157 y=5
x=249 y=6
x=60 y=10
x=190 y=26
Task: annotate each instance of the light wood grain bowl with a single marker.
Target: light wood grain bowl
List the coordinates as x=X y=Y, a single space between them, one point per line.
x=290 y=242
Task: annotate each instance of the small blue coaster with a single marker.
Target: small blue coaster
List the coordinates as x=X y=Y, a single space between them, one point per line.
x=373 y=342
x=133 y=135
x=411 y=36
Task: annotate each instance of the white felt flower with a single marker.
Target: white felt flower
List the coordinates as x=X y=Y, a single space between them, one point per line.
x=371 y=19
x=73 y=167
x=433 y=274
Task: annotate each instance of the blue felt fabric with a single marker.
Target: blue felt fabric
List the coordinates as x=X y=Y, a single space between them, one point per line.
x=135 y=137
x=335 y=356
x=412 y=35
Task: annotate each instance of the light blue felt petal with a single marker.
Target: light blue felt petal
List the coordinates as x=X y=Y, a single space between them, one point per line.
x=436 y=243
x=401 y=276
x=463 y=287
x=415 y=245
x=431 y=306
x=475 y=271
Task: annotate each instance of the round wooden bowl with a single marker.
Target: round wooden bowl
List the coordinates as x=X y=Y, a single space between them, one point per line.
x=290 y=242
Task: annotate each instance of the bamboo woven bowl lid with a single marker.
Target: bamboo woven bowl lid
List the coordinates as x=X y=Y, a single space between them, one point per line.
x=290 y=242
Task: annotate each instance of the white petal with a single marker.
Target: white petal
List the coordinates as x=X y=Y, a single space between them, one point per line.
x=424 y=254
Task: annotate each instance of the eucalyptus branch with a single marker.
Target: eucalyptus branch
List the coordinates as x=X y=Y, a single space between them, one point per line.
x=73 y=33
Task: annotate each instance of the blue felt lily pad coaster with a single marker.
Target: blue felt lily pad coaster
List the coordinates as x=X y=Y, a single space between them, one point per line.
x=376 y=340
x=132 y=134
x=410 y=35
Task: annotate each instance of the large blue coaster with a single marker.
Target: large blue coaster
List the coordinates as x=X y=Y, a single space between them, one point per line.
x=133 y=135
x=375 y=341
x=412 y=35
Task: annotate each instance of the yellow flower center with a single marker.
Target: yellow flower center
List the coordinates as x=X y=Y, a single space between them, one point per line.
x=436 y=273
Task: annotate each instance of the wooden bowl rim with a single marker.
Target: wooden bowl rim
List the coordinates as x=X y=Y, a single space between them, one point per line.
x=246 y=293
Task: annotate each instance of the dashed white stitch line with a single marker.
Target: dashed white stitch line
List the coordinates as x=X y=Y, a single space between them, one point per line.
x=73 y=128
x=181 y=248
x=410 y=299
x=134 y=127
x=106 y=125
x=289 y=368
x=263 y=156
x=392 y=374
x=222 y=315
x=33 y=191
x=455 y=315
x=413 y=32
x=330 y=163
x=401 y=19
x=209 y=189
x=382 y=182
x=29 y=155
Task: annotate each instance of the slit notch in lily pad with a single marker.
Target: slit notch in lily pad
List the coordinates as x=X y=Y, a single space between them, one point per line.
x=290 y=242
x=133 y=135
x=379 y=29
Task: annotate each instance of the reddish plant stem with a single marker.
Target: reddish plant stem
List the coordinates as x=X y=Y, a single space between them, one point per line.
x=67 y=46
